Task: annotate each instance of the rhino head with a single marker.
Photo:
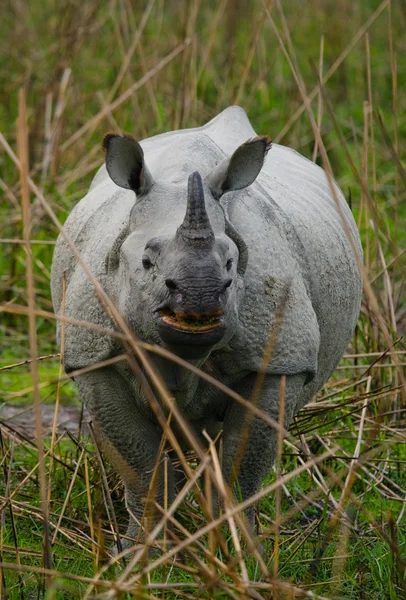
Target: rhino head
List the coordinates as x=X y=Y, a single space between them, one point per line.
x=178 y=269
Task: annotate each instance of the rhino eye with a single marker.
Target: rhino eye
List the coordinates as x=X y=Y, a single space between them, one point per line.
x=229 y=264
x=146 y=262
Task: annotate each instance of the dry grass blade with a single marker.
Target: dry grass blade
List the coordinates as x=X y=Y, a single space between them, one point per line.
x=350 y=476
x=319 y=97
x=23 y=154
x=7 y=479
x=67 y=497
x=58 y=392
x=107 y=495
x=282 y=392
x=17 y=241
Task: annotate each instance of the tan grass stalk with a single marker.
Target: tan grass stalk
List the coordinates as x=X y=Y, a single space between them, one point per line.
x=278 y=466
x=7 y=479
x=27 y=361
x=106 y=492
x=67 y=497
x=371 y=115
x=17 y=241
x=58 y=391
x=22 y=138
x=47 y=136
x=399 y=435
x=341 y=555
x=364 y=195
x=52 y=125
x=90 y=510
x=319 y=97
x=379 y=354
x=393 y=365
x=393 y=66
x=208 y=490
x=149 y=509
x=228 y=503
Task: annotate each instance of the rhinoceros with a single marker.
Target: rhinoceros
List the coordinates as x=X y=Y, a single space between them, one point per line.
x=209 y=241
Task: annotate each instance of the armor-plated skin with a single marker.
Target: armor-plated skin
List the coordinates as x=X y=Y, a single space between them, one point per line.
x=249 y=259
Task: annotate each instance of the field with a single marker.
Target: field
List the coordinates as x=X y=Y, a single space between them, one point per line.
x=326 y=78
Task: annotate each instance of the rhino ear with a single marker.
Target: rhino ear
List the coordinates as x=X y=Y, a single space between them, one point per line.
x=241 y=169
x=125 y=163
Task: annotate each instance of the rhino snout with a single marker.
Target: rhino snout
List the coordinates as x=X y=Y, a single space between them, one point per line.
x=192 y=320
x=194 y=299
x=175 y=287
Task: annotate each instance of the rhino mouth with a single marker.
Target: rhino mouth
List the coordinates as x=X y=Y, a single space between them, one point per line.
x=192 y=323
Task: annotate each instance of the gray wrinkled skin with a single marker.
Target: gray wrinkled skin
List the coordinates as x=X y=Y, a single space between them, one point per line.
x=299 y=257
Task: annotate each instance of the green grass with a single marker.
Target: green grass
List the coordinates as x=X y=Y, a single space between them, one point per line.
x=67 y=56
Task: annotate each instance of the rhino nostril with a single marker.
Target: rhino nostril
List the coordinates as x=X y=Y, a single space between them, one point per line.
x=170 y=284
x=227 y=284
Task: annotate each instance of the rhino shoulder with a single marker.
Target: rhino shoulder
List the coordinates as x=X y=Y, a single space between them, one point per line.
x=88 y=343
x=94 y=228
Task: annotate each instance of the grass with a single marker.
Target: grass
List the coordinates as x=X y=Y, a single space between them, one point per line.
x=333 y=524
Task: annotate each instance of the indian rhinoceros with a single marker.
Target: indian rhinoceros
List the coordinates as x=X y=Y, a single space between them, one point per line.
x=207 y=244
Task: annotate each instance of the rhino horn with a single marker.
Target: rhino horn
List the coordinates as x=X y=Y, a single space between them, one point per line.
x=196 y=224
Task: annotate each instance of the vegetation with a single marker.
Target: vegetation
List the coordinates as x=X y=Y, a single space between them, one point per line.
x=332 y=516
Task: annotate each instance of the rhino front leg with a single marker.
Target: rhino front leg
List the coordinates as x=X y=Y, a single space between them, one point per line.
x=129 y=439
x=249 y=444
